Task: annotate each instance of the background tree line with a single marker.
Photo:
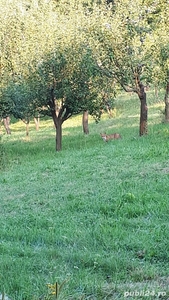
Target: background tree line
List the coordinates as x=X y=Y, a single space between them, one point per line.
x=60 y=58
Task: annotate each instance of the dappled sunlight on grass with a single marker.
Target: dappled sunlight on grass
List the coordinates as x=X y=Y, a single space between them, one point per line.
x=159 y=104
x=134 y=116
x=122 y=120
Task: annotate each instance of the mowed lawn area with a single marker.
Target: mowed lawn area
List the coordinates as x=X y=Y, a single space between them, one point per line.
x=94 y=217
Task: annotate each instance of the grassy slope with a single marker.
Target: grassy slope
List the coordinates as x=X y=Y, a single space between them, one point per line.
x=95 y=213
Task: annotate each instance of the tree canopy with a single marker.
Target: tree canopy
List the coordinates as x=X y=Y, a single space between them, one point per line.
x=62 y=57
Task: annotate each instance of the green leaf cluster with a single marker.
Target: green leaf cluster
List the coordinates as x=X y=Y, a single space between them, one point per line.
x=76 y=51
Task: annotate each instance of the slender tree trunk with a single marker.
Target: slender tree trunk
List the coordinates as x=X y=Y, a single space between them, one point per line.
x=59 y=135
x=143 y=110
x=26 y=121
x=166 y=100
x=27 y=128
x=59 y=115
x=109 y=111
x=58 y=125
x=36 y=120
x=85 y=122
x=6 y=124
x=156 y=91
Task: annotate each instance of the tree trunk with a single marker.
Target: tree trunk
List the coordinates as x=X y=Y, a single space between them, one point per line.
x=59 y=135
x=156 y=91
x=36 y=120
x=6 y=124
x=27 y=128
x=58 y=125
x=166 y=100
x=85 y=122
x=59 y=115
x=109 y=111
x=143 y=110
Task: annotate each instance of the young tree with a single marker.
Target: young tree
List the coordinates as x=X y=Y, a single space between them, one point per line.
x=64 y=87
x=121 y=43
x=158 y=19
x=22 y=96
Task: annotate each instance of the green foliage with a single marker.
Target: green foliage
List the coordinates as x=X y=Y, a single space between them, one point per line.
x=159 y=49
x=71 y=47
x=70 y=81
x=121 y=44
x=78 y=53
x=6 y=105
x=54 y=60
x=21 y=99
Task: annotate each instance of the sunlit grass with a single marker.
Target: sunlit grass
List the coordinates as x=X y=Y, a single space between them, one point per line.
x=94 y=215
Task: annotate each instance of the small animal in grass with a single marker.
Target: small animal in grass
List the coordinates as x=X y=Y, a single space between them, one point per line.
x=107 y=137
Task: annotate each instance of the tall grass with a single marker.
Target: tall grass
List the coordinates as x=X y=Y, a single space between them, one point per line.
x=95 y=214
x=3 y=160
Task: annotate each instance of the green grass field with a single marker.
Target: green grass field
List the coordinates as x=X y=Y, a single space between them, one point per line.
x=95 y=214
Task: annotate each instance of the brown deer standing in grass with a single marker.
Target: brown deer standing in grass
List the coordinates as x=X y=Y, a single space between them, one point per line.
x=107 y=137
